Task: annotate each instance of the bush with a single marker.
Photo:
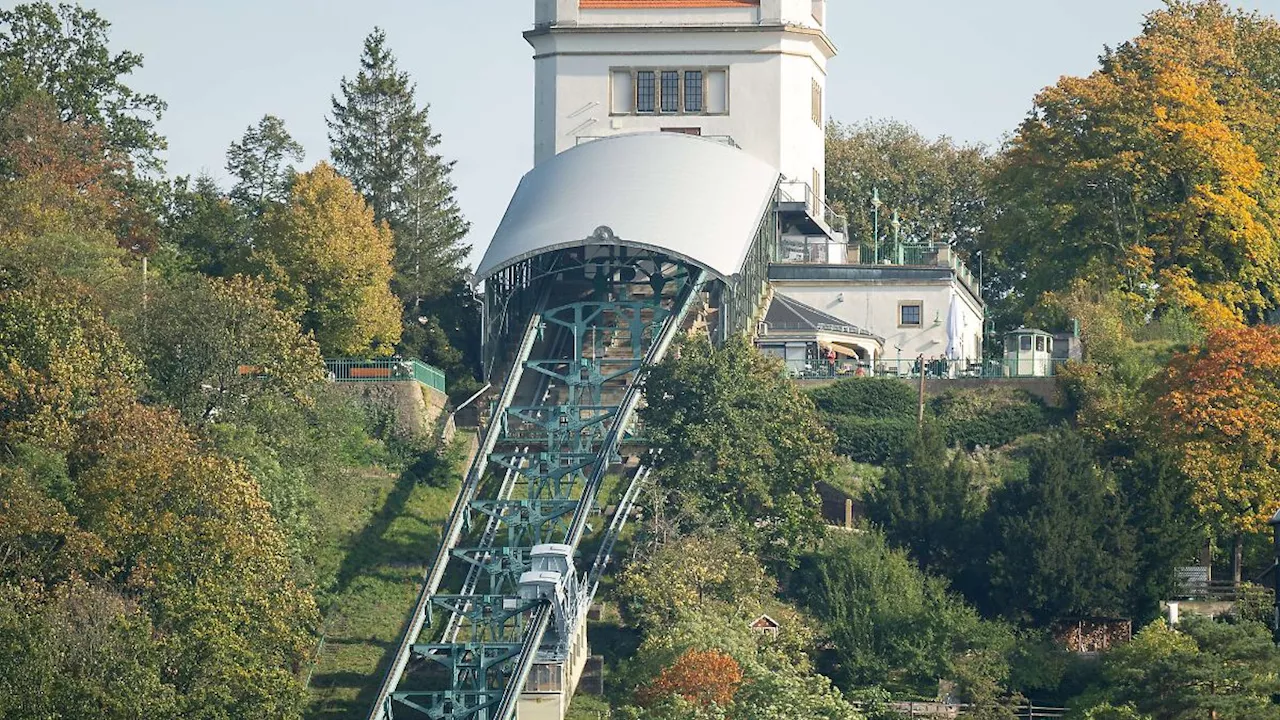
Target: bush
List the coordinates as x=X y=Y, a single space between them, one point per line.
x=871 y=398
x=992 y=416
x=873 y=441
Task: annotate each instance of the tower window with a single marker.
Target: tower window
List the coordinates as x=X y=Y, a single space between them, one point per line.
x=645 y=91
x=817 y=103
x=670 y=91
x=693 y=91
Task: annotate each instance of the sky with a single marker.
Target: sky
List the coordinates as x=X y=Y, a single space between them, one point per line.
x=967 y=69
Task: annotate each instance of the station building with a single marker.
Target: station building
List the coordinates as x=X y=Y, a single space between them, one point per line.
x=653 y=84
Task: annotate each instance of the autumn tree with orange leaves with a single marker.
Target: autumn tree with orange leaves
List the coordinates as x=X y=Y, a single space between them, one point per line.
x=1221 y=407
x=1155 y=174
x=701 y=677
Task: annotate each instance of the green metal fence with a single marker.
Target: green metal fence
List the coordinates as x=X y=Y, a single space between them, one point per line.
x=939 y=368
x=1024 y=367
x=352 y=370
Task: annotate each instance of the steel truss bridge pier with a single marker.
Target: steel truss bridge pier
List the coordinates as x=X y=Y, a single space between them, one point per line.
x=504 y=604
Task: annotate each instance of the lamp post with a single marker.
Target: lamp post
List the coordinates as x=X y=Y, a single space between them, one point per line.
x=897 y=242
x=875 y=221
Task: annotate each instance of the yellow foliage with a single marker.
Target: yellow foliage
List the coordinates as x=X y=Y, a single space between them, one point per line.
x=334 y=264
x=1152 y=173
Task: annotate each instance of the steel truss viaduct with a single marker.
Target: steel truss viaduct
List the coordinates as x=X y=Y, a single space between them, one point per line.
x=502 y=610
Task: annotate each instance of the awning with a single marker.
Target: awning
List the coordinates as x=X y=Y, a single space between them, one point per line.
x=842 y=350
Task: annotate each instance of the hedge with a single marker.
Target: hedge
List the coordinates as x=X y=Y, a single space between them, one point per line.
x=870 y=440
x=991 y=416
x=875 y=398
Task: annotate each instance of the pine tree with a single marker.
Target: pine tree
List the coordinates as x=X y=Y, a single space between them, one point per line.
x=382 y=141
x=259 y=163
x=1061 y=546
x=926 y=503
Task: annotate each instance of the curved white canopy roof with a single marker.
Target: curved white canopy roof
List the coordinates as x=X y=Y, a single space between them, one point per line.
x=690 y=197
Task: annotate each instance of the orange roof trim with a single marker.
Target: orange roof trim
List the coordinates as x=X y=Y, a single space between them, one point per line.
x=599 y=4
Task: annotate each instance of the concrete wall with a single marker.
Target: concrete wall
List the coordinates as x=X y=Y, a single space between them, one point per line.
x=416 y=407
x=1044 y=388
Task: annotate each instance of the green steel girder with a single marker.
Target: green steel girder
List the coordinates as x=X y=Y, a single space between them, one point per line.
x=586 y=374
x=503 y=565
x=448 y=704
x=526 y=520
x=553 y=449
x=556 y=420
x=492 y=618
x=545 y=473
x=469 y=663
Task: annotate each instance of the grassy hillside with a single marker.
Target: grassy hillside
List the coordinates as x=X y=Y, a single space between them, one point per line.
x=376 y=534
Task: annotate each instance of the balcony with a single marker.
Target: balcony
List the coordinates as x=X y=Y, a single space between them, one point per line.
x=801 y=208
x=793 y=250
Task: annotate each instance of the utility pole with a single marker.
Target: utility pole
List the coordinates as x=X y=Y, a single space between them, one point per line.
x=920 y=411
x=1275 y=574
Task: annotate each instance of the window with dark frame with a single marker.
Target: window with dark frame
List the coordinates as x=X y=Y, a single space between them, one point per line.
x=670 y=91
x=646 y=91
x=909 y=315
x=693 y=91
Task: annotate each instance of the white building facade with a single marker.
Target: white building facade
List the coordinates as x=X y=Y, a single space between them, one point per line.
x=750 y=72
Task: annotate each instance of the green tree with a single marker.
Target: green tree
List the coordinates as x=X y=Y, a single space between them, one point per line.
x=208 y=231
x=1154 y=174
x=64 y=51
x=212 y=346
x=384 y=143
x=260 y=164
x=1167 y=532
x=1059 y=544
x=927 y=503
x=702 y=570
x=1203 y=669
x=892 y=625
x=777 y=679
x=331 y=262
x=936 y=186
x=79 y=651
x=739 y=443
x=185 y=535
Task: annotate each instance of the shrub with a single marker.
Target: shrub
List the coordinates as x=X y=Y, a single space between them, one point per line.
x=868 y=440
x=991 y=416
x=877 y=398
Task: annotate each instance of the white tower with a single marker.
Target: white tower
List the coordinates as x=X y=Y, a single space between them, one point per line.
x=750 y=72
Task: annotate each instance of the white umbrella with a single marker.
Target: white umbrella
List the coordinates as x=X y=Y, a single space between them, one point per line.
x=955 y=330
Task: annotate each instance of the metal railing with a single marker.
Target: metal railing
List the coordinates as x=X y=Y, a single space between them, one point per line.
x=353 y=370
x=1210 y=591
x=828 y=327
x=936 y=368
x=722 y=139
x=798 y=191
x=918 y=709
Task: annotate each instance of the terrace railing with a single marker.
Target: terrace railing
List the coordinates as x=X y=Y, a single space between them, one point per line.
x=797 y=191
x=935 y=368
x=940 y=710
x=385 y=370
